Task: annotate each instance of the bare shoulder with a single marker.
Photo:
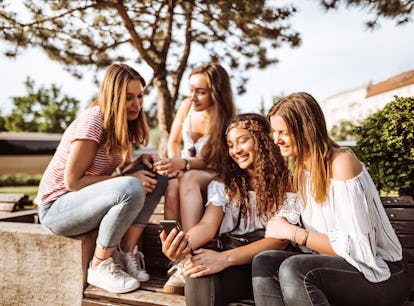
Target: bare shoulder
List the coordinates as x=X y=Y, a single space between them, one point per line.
x=345 y=165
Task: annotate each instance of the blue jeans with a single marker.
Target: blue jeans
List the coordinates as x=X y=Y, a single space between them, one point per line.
x=112 y=205
x=287 y=278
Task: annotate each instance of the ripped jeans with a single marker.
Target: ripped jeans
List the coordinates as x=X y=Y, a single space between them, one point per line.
x=287 y=278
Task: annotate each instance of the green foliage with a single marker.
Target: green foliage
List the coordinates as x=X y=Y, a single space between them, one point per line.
x=2 y=123
x=385 y=144
x=20 y=179
x=161 y=35
x=41 y=110
x=345 y=130
x=399 y=10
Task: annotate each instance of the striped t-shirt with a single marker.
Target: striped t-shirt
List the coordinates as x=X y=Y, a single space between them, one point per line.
x=88 y=125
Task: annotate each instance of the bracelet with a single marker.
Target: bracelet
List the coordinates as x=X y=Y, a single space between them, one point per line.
x=306 y=238
x=294 y=235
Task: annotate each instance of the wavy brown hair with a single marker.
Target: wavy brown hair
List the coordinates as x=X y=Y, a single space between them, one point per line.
x=223 y=111
x=306 y=123
x=118 y=131
x=271 y=172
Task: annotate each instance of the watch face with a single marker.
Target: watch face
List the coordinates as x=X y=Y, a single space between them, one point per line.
x=187 y=165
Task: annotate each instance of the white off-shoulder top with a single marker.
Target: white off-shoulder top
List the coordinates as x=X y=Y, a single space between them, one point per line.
x=355 y=221
x=217 y=196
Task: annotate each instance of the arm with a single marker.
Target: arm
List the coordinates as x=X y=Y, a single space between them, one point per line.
x=279 y=228
x=79 y=160
x=205 y=262
x=176 y=246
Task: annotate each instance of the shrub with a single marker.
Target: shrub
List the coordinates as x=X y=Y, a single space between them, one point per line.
x=385 y=144
x=20 y=179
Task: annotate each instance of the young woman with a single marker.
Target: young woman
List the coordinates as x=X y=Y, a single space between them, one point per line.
x=200 y=123
x=240 y=201
x=78 y=192
x=350 y=254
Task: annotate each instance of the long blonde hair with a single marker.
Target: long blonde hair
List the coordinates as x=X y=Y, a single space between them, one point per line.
x=118 y=132
x=306 y=123
x=223 y=111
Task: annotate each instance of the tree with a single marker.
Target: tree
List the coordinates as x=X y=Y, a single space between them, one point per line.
x=400 y=10
x=385 y=145
x=41 y=110
x=161 y=33
x=344 y=130
x=2 y=123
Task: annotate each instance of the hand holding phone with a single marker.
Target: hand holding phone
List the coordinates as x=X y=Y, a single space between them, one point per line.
x=168 y=225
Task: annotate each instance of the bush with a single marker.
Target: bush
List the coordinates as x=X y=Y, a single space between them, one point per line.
x=385 y=144
x=20 y=179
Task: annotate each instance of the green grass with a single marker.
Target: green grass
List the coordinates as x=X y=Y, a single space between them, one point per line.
x=31 y=191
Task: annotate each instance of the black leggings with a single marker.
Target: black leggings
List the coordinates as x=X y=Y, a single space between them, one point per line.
x=230 y=285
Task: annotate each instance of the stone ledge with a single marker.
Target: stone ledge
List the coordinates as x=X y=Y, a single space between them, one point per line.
x=40 y=268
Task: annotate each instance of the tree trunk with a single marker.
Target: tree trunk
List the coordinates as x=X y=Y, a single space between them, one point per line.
x=164 y=113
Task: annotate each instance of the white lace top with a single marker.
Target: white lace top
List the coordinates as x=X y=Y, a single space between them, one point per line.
x=355 y=220
x=217 y=196
x=188 y=140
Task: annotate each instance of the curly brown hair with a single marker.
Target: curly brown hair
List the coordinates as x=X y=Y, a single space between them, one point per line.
x=271 y=173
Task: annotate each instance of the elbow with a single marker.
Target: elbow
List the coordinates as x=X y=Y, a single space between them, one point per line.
x=70 y=184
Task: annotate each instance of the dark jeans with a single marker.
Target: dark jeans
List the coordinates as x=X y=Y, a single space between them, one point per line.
x=286 y=278
x=229 y=285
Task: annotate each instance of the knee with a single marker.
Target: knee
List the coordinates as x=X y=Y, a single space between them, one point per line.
x=289 y=268
x=131 y=189
x=261 y=263
x=188 y=181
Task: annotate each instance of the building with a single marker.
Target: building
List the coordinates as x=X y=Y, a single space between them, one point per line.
x=358 y=103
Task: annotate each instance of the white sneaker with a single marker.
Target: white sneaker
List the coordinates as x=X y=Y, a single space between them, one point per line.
x=109 y=276
x=175 y=284
x=132 y=262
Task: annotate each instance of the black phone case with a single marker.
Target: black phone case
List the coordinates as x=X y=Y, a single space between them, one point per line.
x=168 y=225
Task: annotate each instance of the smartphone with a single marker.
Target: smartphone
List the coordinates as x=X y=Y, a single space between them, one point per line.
x=168 y=225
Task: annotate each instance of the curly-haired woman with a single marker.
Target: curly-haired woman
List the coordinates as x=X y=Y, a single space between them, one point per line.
x=78 y=192
x=252 y=187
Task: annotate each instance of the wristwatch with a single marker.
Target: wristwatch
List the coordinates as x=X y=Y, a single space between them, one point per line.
x=187 y=165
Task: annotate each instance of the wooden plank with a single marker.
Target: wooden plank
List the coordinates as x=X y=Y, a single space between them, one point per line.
x=408 y=255
x=407 y=241
x=400 y=214
x=7 y=206
x=12 y=197
x=93 y=302
x=403 y=227
x=24 y=215
x=137 y=297
x=402 y=201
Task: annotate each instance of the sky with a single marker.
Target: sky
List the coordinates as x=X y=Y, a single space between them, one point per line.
x=337 y=53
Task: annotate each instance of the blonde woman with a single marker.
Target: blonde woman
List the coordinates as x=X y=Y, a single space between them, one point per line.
x=78 y=192
x=200 y=123
x=349 y=253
